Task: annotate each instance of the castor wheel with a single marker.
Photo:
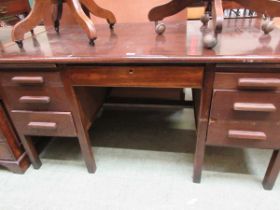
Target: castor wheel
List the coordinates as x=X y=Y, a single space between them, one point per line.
x=160 y=28
x=209 y=41
x=92 y=42
x=56 y=26
x=20 y=44
x=111 y=25
x=267 y=26
x=205 y=19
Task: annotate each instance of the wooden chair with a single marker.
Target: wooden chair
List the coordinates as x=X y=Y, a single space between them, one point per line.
x=79 y=8
x=267 y=8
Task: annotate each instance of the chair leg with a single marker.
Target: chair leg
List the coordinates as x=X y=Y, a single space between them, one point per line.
x=83 y=20
x=34 y=17
x=210 y=39
x=57 y=14
x=272 y=171
x=171 y=8
x=99 y=12
x=31 y=151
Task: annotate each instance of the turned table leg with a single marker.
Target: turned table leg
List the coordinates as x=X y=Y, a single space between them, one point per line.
x=272 y=171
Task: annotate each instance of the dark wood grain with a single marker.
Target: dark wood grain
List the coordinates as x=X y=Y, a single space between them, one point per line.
x=247 y=81
x=202 y=121
x=137 y=43
x=20 y=98
x=60 y=123
x=223 y=106
x=134 y=76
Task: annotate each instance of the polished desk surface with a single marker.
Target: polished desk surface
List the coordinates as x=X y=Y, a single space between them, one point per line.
x=242 y=41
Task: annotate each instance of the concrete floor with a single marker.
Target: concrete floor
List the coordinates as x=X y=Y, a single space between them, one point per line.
x=144 y=160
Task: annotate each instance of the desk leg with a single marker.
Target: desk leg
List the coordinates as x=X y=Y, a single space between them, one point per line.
x=272 y=171
x=202 y=122
x=82 y=132
x=31 y=151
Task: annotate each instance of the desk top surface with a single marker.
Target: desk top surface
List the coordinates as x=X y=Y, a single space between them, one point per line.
x=241 y=41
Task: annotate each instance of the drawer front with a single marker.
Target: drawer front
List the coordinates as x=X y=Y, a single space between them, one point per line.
x=247 y=81
x=22 y=79
x=44 y=123
x=5 y=153
x=244 y=134
x=36 y=98
x=256 y=106
x=136 y=76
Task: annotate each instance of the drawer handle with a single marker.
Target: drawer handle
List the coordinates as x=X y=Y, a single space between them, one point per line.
x=28 y=80
x=259 y=83
x=255 y=107
x=247 y=135
x=35 y=99
x=42 y=125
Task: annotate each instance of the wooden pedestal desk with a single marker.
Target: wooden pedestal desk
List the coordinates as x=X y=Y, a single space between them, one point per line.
x=55 y=85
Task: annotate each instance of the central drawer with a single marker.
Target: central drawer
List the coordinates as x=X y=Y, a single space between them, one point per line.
x=44 y=123
x=138 y=76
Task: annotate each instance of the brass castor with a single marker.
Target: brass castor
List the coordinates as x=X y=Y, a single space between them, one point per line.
x=20 y=44
x=209 y=41
x=160 y=28
x=92 y=42
x=267 y=26
x=205 y=19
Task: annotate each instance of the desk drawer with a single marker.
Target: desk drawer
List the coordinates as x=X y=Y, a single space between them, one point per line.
x=22 y=79
x=244 y=134
x=5 y=153
x=247 y=81
x=44 y=123
x=138 y=76
x=253 y=106
x=36 y=98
